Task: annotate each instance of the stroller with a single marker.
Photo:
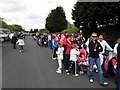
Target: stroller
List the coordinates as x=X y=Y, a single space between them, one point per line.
x=83 y=63
x=39 y=42
x=111 y=63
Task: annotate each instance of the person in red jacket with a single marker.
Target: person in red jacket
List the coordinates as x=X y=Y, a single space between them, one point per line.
x=68 y=46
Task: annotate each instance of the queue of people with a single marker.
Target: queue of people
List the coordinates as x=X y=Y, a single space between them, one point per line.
x=75 y=53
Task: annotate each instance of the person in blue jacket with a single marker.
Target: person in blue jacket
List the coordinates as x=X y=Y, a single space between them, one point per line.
x=54 y=48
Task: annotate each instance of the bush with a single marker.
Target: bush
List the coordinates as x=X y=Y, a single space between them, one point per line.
x=71 y=30
x=44 y=31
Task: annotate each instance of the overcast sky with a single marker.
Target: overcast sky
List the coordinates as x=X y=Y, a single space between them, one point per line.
x=32 y=13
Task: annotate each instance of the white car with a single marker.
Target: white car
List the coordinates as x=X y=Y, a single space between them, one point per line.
x=3 y=35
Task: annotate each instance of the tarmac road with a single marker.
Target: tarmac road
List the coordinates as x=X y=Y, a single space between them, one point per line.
x=34 y=68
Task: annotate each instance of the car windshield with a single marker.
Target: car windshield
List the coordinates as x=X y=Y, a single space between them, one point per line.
x=1 y=32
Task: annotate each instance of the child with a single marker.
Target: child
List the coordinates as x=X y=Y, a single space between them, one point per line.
x=74 y=53
x=60 y=56
x=82 y=60
x=21 y=43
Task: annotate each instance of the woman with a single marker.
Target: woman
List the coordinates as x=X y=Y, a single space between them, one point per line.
x=68 y=46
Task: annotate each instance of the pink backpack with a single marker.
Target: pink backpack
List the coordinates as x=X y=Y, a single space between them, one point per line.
x=106 y=64
x=114 y=63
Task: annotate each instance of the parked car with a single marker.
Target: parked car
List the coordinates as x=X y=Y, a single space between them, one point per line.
x=4 y=36
x=1 y=40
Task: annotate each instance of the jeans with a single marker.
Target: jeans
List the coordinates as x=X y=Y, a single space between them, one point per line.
x=14 y=46
x=54 y=55
x=96 y=61
x=117 y=78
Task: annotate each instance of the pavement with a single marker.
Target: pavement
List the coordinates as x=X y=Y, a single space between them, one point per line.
x=34 y=68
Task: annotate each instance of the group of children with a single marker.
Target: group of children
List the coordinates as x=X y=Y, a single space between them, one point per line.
x=77 y=59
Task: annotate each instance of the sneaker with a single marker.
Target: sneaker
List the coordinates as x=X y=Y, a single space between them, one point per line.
x=81 y=73
x=91 y=80
x=68 y=73
x=20 y=51
x=54 y=58
x=76 y=75
x=96 y=71
x=104 y=84
x=58 y=71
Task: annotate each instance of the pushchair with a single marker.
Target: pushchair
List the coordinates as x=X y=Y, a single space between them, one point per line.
x=39 y=42
x=110 y=63
x=83 y=63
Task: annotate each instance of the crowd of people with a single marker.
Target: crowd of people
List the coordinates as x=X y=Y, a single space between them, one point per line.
x=79 y=55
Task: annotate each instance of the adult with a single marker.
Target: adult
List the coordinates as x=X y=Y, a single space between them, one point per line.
x=105 y=47
x=117 y=77
x=68 y=46
x=14 y=40
x=94 y=49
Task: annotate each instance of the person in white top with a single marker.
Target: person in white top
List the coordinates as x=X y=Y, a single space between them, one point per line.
x=74 y=53
x=104 y=45
x=60 y=56
x=21 y=43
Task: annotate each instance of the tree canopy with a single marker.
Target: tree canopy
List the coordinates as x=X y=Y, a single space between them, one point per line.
x=56 y=20
x=13 y=27
x=96 y=17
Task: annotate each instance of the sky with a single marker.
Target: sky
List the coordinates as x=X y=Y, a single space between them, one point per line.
x=32 y=13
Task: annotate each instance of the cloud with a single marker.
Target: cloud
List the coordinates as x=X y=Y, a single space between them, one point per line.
x=11 y=6
x=32 y=13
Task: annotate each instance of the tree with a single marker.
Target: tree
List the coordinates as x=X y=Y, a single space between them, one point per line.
x=3 y=24
x=56 y=20
x=35 y=30
x=96 y=17
x=31 y=31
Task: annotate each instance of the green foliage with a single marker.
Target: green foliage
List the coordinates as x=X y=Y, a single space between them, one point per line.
x=71 y=28
x=56 y=20
x=14 y=27
x=3 y=24
x=44 y=31
x=96 y=17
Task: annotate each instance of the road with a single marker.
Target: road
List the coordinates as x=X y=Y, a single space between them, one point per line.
x=34 y=68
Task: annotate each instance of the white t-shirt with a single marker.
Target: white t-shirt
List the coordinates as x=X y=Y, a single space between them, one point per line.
x=21 y=42
x=104 y=44
x=74 y=54
x=60 y=52
x=115 y=48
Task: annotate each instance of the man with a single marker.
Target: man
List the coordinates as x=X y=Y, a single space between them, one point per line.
x=105 y=46
x=94 y=49
x=117 y=77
